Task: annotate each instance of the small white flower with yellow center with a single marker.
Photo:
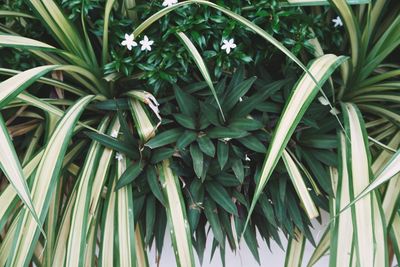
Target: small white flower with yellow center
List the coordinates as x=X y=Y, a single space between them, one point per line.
x=146 y=43
x=169 y=2
x=119 y=156
x=338 y=22
x=129 y=42
x=228 y=45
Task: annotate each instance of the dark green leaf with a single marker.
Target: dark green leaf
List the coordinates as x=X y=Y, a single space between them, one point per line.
x=238 y=91
x=238 y=169
x=211 y=113
x=164 y=138
x=246 y=124
x=218 y=193
x=197 y=158
x=320 y=141
x=186 y=139
x=206 y=145
x=251 y=241
x=267 y=209
x=150 y=217
x=210 y=210
x=200 y=243
x=154 y=184
x=252 y=143
x=159 y=231
x=222 y=132
x=187 y=103
x=115 y=144
x=115 y=104
x=227 y=179
x=185 y=121
x=243 y=108
x=161 y=154
x=130 y=174
x=222 y=153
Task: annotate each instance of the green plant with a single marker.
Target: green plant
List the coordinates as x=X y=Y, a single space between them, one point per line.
x=101 y=157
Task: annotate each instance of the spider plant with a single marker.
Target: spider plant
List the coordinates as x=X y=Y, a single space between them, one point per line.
x=92 y=166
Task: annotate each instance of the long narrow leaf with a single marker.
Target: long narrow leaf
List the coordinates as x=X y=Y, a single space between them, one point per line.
x=295 y=250
x=77 y=236
x=302 y=95
x=126 y=226
x=299 y=185
x=11 y=167
x=46 y=176
x=201 y=65
x=367 y=213
x=177 y=218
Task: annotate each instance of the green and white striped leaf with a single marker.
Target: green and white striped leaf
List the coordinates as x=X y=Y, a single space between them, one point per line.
x=299 y=185
x=301 y=97
x=108 y=228
x=177 y=218
x=341 y=247
x=370 y=232
x=62 y=29
x=12 y=169
x=5 y=13
x=390 y=170
x=11 y=87
x=26 y=43
x=201 y=65
x=125 y=223
x=79 y=221
x=9 y=194
x=20 y=42
x=175 y=206
x=46 y=176
x=295 y=250
x=395 y=236
x=146 y=129
x=352 y=27
x=321 y=249
x=107 y=11
x=140 y=249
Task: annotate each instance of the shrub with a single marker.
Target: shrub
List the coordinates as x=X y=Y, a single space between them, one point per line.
x=87 y=152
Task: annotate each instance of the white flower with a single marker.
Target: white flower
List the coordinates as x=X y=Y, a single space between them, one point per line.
x=119 y=156
x=169 y=2
x=228 y=45
x=114 y=133
x=323 y=100
x=247 y=158
x=338 y=22
x=129 y=42
x=240 y=99
x=146 y=43
x=227 y=139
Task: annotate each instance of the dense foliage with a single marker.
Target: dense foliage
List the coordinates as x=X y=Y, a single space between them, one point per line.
x=123 y=144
